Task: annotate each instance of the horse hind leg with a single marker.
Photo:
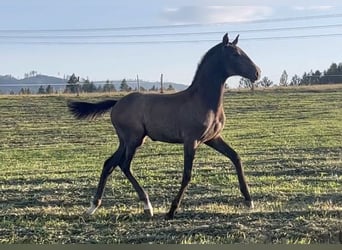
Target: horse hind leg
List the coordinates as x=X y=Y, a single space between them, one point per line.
x=108 y=167
x=222 y=147
x=126 y=169
x=143 y=196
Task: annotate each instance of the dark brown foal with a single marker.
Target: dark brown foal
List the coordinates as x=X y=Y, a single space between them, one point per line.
x=192 y=117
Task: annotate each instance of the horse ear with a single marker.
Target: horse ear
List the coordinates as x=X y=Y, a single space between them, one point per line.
x=225 y=39
x=236 y=40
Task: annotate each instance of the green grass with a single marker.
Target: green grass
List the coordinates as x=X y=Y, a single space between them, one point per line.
x=289 y=141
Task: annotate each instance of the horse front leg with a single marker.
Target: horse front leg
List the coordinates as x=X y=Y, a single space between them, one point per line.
x=221 y=146
x=189 y=154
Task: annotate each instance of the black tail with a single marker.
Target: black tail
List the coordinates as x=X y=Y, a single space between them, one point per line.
x=83 y=110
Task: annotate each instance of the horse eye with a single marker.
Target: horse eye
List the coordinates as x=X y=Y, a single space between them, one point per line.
x=235 y=54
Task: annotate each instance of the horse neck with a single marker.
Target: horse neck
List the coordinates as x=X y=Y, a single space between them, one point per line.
x=208 y=85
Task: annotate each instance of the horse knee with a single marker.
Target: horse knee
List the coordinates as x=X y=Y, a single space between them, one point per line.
x=107 y=168
x=234 y=157
x=112 y=162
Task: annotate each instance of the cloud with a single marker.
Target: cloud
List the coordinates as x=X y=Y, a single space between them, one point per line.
x=215 y=14
x=314 y=7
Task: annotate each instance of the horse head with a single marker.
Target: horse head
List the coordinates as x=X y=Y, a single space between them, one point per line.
x=236 y=61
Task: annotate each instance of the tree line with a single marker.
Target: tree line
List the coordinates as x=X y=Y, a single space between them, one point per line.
x=75 y=87
x=332 y=75
x=87 y=86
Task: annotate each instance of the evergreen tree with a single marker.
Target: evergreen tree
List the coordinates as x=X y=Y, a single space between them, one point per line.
x=25 y=91
x=88 y=86
x=72 y=86
x=295 y=80
x=41 y=90
x=153 y=88
x=245 y=83
x=124 y=86
x=316 y=77
x=283 y=79
x=333 y=74
x=49 y=89
x=108 y=87
x=170 y=88
x=265 y=82
x=306 y=79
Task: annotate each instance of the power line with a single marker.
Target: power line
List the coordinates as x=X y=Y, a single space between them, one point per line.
x=175 y=26
x=11 y=37
x=311 y=27
x=165 y=41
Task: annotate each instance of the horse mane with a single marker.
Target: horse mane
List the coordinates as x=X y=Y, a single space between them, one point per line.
x=203 y=62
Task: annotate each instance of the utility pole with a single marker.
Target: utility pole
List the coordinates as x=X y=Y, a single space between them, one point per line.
x=161 y=84
x=138 y=83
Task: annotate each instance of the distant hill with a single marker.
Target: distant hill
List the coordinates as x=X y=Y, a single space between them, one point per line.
x=10 y=84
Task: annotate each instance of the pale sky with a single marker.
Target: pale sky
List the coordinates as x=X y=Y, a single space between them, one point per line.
x=104 y=39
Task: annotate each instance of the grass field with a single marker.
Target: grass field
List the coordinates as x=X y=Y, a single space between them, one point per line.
x=289 y=141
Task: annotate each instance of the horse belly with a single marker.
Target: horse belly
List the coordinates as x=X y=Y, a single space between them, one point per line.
x=164 y=136
x=166 y=139
x=164 y=130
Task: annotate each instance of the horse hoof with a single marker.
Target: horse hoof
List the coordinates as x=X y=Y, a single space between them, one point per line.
x=169 y=216
x=148 y=209
x=91 y=210
x=249 y=204
x=148 y=213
